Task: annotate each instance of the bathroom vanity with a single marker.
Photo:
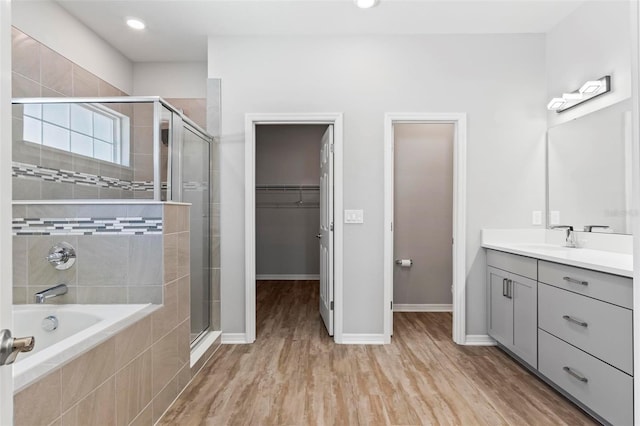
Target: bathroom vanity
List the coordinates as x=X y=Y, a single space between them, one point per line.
x=566 y=314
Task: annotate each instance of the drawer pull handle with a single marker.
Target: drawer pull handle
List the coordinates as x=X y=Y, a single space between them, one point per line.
x=575 y=321
x=575 y=281
x=576 y=375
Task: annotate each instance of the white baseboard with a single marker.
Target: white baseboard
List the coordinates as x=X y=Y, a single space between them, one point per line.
x=362 y=339
x=234 y=339
x=426 y=307
x=290 y=277
x=479 y=340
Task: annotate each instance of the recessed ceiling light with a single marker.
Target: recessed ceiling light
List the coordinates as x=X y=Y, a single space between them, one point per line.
x=365 y=4
x=136 y=24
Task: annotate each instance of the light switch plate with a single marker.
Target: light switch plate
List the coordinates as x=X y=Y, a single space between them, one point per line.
x=536 y=217
x=354 y=216
x=554 y=217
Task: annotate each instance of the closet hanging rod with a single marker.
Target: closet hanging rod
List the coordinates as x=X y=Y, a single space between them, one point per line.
x=287 y=187
x=287 y=206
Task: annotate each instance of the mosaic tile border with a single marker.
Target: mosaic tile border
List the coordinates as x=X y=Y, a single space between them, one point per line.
x=87 y=226
x=31 y=171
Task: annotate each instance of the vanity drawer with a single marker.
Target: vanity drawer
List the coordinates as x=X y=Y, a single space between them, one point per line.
x=601 y=329
x=610 y=288
x=604 y=389
x=520 y=265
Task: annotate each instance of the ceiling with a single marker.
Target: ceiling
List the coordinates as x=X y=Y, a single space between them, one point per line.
x=177 y=30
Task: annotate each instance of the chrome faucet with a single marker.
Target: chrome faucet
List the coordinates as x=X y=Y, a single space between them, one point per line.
x=570 y=238
x=59 y=290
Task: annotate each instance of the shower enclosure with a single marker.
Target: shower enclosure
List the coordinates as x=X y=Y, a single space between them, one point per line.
x=121 y=148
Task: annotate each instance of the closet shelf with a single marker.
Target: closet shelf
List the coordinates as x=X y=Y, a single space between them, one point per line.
x=288 y=196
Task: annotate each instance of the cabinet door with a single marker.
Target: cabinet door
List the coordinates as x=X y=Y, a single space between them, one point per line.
x=500 y=307
x=524 y=293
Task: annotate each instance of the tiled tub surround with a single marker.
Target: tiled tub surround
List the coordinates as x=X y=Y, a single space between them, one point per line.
x=134 y=374
x=118 y=248
x=80 y=327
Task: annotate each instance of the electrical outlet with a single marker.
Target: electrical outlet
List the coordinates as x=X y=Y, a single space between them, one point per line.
x=354 y=216
x=554 y=217
x=536 y=217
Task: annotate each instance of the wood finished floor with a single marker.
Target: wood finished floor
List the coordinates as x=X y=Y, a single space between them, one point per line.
x=296 y=375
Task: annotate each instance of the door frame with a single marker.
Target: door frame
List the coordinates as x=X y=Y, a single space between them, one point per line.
x=6 y=290
x=459 y=215
x=251 y=120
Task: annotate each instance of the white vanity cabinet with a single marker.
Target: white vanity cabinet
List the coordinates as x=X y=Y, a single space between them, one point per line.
x=512 y=299
x=572 y=325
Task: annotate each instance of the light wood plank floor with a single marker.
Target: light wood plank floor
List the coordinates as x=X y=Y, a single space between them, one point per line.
x=296 y=375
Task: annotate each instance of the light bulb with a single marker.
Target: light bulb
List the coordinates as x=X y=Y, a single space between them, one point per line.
x=136 y=24
x=365 y=4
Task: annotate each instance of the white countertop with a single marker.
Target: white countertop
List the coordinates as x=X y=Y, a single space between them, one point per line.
x=610 y=253
x=597 y=260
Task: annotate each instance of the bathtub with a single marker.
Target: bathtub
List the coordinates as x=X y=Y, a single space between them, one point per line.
x=79 y=328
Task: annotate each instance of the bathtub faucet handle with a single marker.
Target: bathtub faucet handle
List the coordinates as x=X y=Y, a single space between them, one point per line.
x=61 y=256
x=10 y=347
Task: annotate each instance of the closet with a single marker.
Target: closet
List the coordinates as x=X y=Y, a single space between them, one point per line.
x=288 y=201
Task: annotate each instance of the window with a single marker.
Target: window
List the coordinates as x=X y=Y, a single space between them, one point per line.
x=91 y=130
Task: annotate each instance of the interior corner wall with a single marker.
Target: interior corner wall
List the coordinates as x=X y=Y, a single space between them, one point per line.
x=51 y=25
x=594 y=41
x=170 y=79
x=498 y=80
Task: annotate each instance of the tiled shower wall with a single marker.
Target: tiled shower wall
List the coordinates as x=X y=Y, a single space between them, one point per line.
x=134 y=376
x=213 y=113
x=41 y=72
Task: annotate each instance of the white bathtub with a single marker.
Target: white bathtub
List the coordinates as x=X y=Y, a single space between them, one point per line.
x=80 y=327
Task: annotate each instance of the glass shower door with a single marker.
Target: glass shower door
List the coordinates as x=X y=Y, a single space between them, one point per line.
x=195 y=173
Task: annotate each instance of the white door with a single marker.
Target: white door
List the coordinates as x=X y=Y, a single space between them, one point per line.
x=6 y=372
x=326 y=230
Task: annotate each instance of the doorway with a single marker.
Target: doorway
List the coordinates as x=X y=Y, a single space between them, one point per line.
x=294 y=212
x=280 y=198
x=424 y=259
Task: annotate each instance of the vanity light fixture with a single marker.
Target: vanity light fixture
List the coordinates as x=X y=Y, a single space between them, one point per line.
x=365 y=4
x=556 y=103
x=136 y=24
x=591 y=87
x=587 y=91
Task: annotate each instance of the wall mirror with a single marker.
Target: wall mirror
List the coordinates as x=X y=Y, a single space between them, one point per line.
x=589 y=171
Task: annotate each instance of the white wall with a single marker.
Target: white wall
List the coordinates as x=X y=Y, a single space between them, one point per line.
x=592 y=42
x=497 y=79
x=53 y=26
x=170 y=79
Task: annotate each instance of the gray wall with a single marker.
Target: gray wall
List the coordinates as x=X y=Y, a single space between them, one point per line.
x=498 y=80
x=285 y=237
x=423 y=213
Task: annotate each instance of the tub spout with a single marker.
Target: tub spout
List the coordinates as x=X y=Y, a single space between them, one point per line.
x=59 y=290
